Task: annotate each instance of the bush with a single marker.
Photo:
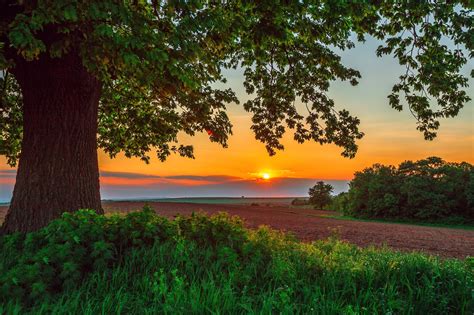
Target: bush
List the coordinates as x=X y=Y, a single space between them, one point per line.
x=299 y=202
x=58 y=256
x=425 y=190
x=339 y=202
x=142 y=263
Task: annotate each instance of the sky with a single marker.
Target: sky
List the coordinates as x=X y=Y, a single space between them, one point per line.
x=390 y=138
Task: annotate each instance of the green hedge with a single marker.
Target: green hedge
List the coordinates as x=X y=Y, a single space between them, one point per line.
x=145 y=264
x=425 y=190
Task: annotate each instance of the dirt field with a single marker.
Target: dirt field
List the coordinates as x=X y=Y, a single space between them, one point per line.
x=308 y=225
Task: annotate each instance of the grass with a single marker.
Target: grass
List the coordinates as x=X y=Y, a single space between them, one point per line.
x=310 y=207
x=393 y=221
x=145 y=264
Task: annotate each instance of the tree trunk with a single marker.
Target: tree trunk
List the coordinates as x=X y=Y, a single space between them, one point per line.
x=58 y=168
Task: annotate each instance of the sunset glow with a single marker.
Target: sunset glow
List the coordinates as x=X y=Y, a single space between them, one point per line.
x=265 y=176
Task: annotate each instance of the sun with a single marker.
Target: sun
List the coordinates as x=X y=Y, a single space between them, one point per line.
x=265 y=176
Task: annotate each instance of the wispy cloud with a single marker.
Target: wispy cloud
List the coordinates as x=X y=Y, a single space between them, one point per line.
x=137 y=179
x=213 y=186
x=105 y=174
x=206 y=178
x=123 y=185
x=7 y=173
x=126 y=175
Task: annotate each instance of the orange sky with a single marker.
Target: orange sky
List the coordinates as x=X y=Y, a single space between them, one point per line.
x=246 y=157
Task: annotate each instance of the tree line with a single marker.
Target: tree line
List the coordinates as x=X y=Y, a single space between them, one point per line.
x=426 y=190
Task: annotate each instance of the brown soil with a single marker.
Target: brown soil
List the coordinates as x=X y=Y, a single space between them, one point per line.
x=310 y=225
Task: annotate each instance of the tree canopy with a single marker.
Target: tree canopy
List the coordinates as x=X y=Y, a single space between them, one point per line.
x=427 y=190
x=158 y=62
x=320 y=194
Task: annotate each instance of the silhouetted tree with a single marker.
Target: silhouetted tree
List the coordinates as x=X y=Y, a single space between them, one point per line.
x=320 y=194
x=128 y=76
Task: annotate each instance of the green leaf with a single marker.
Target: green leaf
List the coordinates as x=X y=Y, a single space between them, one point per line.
x=70 y=13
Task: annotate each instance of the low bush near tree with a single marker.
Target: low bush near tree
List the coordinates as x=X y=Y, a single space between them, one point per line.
x=299 y=202
x=142 y=263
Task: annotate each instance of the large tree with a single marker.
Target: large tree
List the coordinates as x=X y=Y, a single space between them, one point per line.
x=130 y=75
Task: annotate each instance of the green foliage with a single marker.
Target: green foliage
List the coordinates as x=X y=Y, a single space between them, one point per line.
x=320 y=194
x=142 y=263
x=159 y=61
x=219 y=230
x=425 y=190
x=11 y=118
x=432 y=69
x=59 y=255
x=339 y=202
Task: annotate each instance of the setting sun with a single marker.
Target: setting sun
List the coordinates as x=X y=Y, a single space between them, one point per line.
x=265 y=176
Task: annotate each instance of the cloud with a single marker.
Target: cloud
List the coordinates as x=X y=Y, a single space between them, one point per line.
x=124 y=185
x=205 y=178
x=126 y=175
x=106 y=174
x=219 y=186
x=7 y=181
x=7 y=173
x=147 y=180
x=273 y=173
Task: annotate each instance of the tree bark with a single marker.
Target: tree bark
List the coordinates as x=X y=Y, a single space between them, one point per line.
x=58 y=167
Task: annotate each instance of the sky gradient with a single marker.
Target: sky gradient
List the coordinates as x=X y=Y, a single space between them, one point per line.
x=390 y=138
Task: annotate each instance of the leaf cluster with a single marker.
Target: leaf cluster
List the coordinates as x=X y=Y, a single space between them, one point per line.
x=320 y=194
x=427 y=38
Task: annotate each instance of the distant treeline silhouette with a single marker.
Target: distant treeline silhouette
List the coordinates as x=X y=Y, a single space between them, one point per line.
x=425 y=190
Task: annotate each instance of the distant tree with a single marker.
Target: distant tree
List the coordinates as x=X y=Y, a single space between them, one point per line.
x=129 y=76
x=320 y=194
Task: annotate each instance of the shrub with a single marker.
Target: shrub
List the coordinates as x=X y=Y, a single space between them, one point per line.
x=339 y=202
x=299 y=202
x=425 y=190
x=58 y=256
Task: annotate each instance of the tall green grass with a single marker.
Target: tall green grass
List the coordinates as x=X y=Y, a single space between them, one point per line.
x=145 y=264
